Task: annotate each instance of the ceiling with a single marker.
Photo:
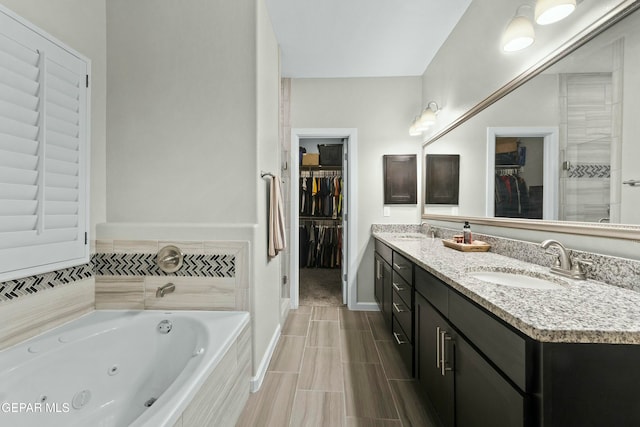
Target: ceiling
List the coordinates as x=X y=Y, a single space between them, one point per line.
x=361 y=38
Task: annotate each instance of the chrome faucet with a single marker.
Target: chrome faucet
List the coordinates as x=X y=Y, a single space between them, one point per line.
x=166 y=289
x=563 y=265
x=426 y=228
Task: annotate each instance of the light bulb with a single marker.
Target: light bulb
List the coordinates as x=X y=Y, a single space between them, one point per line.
x=550 y=11
x=518 y=35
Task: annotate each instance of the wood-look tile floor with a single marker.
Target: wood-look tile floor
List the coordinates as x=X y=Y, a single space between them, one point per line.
x=336 y=368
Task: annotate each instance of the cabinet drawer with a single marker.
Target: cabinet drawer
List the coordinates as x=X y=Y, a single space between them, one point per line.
x=384 y=251
x=402 y=312
x=403 y=345
x=434 y=291
x=402 y=288
x=403 y=266
x=506 y=349
x=482 y=395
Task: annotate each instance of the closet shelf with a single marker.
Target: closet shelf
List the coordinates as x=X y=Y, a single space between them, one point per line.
x=320 y=218
x=320 y=167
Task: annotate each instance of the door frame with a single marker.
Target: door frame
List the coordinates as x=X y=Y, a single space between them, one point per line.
x=550 y=136
x=350 y=216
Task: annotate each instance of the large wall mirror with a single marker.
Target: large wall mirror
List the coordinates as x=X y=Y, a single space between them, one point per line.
x=561 y=151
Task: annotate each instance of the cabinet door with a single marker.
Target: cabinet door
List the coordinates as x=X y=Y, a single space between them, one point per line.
x=377 y=290
x=387 y=290
x=482 y=396
x=437 y=383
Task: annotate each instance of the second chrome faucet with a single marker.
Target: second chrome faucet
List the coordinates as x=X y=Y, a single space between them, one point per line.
x=564 y=266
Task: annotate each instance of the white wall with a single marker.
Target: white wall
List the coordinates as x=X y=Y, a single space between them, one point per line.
x=381 y=109
x=266 y=283
x=181 y=111
x=81 y=24
x=471 y=65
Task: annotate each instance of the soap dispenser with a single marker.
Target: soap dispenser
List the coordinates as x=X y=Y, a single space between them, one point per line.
x=466 y=231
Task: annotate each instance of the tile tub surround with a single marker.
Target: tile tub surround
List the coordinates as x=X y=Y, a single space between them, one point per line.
x=214 y=275
x=30 y=315
x=222 y=397
x=581 y=312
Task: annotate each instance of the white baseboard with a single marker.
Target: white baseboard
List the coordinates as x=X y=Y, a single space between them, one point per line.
x=364 y=306
x=285 y=306
x=256 y=381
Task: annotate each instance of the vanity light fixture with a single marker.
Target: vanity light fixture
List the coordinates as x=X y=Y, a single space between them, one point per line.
x=428 y=117
x=550 y=11
x=415 y=129
x=519 y=33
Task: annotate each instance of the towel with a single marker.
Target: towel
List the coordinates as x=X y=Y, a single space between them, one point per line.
x=277 y=236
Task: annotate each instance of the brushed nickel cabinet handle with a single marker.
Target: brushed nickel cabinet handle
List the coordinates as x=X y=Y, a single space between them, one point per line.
x=397 y=288
x=397 y=337
x=438 y=347
x=397 y=307
x=443 y=361
x=399 y=267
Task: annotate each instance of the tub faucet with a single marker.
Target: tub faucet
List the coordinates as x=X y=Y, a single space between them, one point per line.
x=563 y=265
x=166 y=289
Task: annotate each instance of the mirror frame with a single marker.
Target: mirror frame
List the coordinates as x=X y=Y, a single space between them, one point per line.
x=617 y=231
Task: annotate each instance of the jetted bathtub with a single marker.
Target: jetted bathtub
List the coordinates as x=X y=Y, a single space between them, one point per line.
x=115 y=368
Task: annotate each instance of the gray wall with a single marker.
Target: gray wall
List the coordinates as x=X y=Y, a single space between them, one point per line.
x=193 y=118
x=181 y=111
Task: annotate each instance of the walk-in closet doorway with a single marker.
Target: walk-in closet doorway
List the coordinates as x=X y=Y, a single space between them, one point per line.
x=346 y=226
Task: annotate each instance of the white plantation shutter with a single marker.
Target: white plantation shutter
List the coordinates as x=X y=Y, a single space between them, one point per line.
x=43 y=151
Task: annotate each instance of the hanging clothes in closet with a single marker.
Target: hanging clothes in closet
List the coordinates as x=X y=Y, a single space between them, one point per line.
x=511 y=194
x=320 y=245
x=321 y=194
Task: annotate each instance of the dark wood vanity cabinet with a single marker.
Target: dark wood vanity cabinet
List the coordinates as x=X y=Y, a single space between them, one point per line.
x=402 y=308
x=394 y=294
x=477 y=370
x=464 y=388
x=437 y=383
x=383 y=280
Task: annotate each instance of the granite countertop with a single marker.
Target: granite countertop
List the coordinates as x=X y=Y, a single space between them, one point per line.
x=582 y=311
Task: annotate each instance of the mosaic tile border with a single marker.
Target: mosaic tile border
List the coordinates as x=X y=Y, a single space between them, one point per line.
x=137 y=264
x=589 y=171
x=116 y=264
x=13 y=289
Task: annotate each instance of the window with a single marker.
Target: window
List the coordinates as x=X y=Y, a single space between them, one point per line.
x=44 y=149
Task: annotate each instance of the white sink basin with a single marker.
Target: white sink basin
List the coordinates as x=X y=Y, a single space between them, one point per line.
x=515 y=280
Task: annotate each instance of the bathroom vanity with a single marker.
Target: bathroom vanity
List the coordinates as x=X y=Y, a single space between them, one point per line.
x=511 y=354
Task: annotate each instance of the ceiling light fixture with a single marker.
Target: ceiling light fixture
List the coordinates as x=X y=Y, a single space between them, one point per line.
x=519 y=33
x=550 y=11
